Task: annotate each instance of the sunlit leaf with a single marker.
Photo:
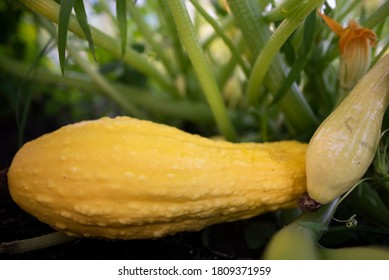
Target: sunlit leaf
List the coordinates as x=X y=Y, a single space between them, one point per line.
x=63 y=23
x=79 y=8
x=121 y=14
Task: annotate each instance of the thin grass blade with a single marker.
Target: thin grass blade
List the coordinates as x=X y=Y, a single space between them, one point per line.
x=299 y=63
x=309 y=31
x=121 y=14
x=79 y=9
x=65 y=11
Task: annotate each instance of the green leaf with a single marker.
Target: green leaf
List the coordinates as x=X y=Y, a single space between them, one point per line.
x=314 y=226
x=258 y=233
x=121 y=14
x=24 y=94
x=293 y=75
x=65 y=11
x=82 y=18
x=299 y=63
x=309 y=31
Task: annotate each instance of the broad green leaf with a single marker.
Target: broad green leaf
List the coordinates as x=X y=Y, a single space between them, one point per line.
x=82 y=18
x=63 y=23
x=121 y=14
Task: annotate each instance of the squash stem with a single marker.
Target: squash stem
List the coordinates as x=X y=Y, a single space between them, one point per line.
x=35 y=243
x=299 y=239
x=319 y=220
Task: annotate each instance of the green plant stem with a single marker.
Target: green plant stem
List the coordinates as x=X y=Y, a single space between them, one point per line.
x=181 y=109
x=22 y=104
x=228 y=69
x=299 y=239
x=102 y=82
x=246 y=14
x=282 y=10
x=50 y=10
x=167 y=25
x=121 y=18
x=149 y=36
x=273 y=45
x=319 y=220
x=35 y=243
x=99 y=79
x=222 y=33
x=225 y=23
x=298 y=115
x=378 y=16
x=344 y=8
x=202 y=68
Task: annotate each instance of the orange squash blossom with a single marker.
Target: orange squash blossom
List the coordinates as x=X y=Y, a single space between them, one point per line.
x=355 y=44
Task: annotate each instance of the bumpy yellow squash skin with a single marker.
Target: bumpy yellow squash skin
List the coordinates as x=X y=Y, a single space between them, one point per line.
x=124 y=178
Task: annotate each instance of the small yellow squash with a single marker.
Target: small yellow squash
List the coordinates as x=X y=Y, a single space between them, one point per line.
x=124 y=178
x=345 y=144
